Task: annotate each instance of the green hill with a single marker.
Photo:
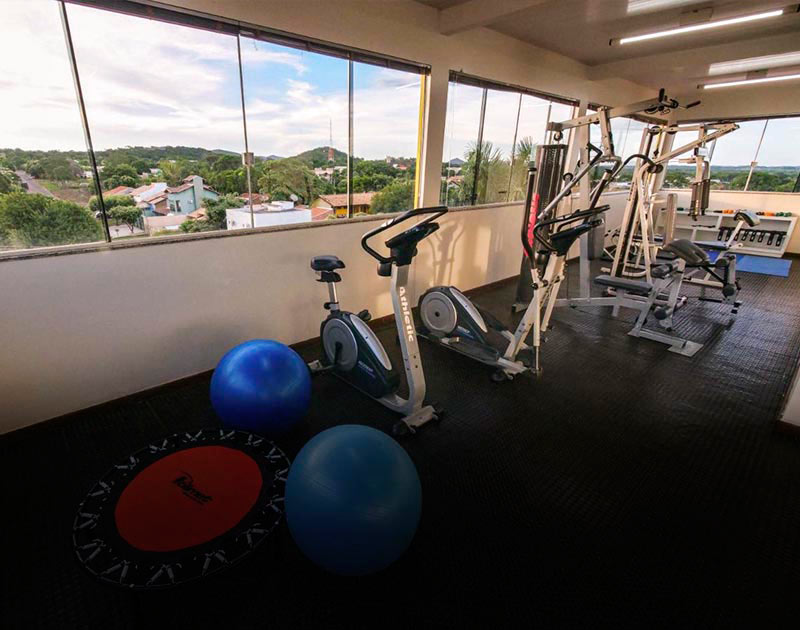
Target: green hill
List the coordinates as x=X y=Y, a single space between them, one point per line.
x=319 y=157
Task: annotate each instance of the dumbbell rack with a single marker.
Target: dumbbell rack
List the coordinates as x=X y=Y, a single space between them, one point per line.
x=706 y=228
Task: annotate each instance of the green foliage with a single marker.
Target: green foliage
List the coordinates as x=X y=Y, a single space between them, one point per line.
x=191 y=225
x=215 y=211
x=9 y=182
x=283 y=178
x=228 y=182
x=492 y=176
x=35 y=220
x=114 y=175
x=111 y=202
x=370 y=183
x=396 y=197
x=318 y=157
x=127 y=214
x=53 y=166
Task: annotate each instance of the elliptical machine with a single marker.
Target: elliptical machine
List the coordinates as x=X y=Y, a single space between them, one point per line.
x=352 y=351
x=450 y=319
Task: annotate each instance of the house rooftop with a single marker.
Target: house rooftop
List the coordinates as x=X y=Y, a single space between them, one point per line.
x=340 y=201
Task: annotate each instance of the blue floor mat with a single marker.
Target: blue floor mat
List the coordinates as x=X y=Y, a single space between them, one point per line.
x=759 y=264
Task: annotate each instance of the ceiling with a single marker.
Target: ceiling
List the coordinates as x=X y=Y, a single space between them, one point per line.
x=582 y=29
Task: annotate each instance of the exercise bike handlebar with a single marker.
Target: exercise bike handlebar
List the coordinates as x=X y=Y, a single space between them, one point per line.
x=435 y=211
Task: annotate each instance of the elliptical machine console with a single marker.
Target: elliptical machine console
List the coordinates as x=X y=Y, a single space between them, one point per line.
x=352 y=351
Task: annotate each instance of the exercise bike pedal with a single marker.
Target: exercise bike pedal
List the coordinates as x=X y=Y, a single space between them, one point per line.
x=364 y=315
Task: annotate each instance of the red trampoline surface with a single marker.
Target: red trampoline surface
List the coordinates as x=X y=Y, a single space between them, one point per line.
x=187 y=498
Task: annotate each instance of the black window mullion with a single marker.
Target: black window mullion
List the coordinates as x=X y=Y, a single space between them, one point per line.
x=84 y=120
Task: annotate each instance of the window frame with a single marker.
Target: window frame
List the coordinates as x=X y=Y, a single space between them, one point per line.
x=461 y=78
x=178 y=16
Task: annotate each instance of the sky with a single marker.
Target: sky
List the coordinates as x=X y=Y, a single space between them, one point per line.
x=153 y=84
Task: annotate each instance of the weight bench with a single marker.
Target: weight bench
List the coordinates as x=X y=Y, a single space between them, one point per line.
x=721 y=274
x=661 y=297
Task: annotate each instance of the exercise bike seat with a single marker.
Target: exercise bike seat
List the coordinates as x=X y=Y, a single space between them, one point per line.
x=326 y=263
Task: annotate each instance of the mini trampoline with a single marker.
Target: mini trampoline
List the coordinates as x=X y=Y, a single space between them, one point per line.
x=182 y=508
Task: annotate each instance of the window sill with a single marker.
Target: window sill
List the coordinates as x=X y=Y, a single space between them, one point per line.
x=154 y=241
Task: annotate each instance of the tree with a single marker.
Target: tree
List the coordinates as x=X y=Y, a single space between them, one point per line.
x=36 y=221
x=216 y=218
x=127 y=214
x=173 y=171
x=111 y=202
x=523 y=154
x=396 y=197
x=283 y=178
x=9 y=182
x=120 y=175
x=230 y=181
x=489 y=160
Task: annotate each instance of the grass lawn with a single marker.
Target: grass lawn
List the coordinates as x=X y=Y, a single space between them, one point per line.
x=68 y=191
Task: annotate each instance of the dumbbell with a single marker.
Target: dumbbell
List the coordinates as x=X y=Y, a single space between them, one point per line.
x=753 y=235
x=761 y=235
x=771 y=238
x=779 y=240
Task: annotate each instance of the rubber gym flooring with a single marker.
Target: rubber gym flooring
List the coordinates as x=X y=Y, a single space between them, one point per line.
x=627 y=486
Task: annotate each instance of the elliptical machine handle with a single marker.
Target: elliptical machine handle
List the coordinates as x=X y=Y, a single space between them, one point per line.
x=435 y=211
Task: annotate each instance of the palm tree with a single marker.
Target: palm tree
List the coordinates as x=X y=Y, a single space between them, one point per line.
x=520 y=158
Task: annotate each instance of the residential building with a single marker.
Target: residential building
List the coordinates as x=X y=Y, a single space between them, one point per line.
x=119 y=190
x=329 y=171
x=266 y=215
x=338 y=203
x=189 y=196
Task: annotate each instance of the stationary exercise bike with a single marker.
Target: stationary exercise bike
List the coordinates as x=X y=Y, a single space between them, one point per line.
x=352 y=351
x=450 y=319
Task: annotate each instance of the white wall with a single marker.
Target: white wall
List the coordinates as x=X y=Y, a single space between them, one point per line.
x=239 y=218
x=767 y=201
x=85 y=328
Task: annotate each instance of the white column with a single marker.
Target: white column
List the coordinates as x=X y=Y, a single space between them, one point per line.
x=433 y=140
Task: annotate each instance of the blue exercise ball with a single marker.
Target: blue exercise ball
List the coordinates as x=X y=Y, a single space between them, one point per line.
x=353 y=500
x=261 y=386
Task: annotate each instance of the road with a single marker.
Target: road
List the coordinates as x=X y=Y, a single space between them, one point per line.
x=33 y=185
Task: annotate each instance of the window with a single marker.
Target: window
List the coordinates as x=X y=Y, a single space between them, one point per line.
x=45 y=173
x=158 y=96
x=778 y=160
x=535 y=114
x=386 y=121
x=760 y=155
x=490 y=137
x=168 y=99
x=461 y=138
x=297 y=121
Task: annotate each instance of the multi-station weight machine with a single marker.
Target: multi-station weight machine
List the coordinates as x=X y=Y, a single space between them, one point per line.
x=647 y=270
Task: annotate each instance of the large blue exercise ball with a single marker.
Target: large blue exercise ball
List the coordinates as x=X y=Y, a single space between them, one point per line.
x=353 y=500
x=261 y=386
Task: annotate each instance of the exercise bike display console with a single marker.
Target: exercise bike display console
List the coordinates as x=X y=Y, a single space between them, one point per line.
x=352 y=351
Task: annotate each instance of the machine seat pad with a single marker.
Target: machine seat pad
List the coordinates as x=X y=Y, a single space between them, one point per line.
x=326 y=263
x=719 y=246
x=688 y=251
x=632 y=286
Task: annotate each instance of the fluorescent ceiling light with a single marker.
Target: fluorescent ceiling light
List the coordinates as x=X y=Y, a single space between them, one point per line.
x=701 y=27
x=785 y=77
x=755 y=63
